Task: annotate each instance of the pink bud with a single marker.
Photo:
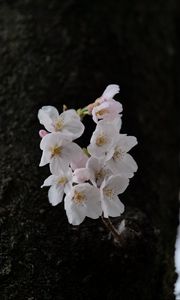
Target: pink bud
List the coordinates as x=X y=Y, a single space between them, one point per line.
x=80 y=162
x=90 y=107
x=81 y=175
x=42 y=133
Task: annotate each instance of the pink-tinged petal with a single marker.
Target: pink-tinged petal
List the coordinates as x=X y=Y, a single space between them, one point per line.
x=73 y=129
x=130 y=162
x=69 y=114
x=95 y=119
x=112 y=207
x=87 y=204
x=55 y=195
x=90 y=107
x=49 y=181
x=127 y=142
x=47 y=116
x=68 y=187
x=110 y=91
x=51 y=139
x=120 y=167
x=57 y=163
x=80 y=161
x=115 y=123
x=117 y=183
x=102 y=141
x=94 y=209
x=99 y=111
x=108 y=110
x=75 y=215
x=42 y=133
x=81 y=175
x=71 y=151
x=45 y=158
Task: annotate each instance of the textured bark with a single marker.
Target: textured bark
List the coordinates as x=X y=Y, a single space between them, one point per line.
x=55 y=52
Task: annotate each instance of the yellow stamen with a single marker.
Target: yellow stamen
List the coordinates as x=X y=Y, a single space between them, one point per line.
x=101 y=112
x=79 y=197
x=100 y=174
x=101 y=140
x=118 y=154
x=59 y=125
x=63 y=180
x=56 y=150
x=108 y=192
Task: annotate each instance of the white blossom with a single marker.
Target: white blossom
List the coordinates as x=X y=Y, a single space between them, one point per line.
x=81 y=175
x=102 y=141
x=83 y=200
x=68 y=123
x=106 y=107
x=121 y=161
x=59 y=184
x=97 y=171
x=107 y=110
x=91 y=179
x=57 y=151
x=110 y=91
x=79 y=161
x=110 y=189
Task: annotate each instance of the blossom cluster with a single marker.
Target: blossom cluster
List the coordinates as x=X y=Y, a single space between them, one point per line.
x=89 y=180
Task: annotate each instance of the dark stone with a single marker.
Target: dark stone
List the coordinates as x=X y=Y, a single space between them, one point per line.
x=56 y=52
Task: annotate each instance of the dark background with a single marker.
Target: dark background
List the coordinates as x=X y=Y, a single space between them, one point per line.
x=55 y=52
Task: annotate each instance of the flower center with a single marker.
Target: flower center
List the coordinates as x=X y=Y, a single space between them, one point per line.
x=63 y=180
x=101 y=140
x=102 y=112
x=108 y=192
x=100 y=174
x=118 y=154
x=79 y=197
x=59 y=125
x=56 y=150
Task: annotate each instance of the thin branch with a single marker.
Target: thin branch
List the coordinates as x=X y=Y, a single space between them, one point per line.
x=111 y=227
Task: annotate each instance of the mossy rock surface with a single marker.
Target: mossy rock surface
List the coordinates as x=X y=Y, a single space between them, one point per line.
x=56 y=52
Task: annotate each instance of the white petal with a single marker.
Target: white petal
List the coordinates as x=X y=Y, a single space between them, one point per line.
x=55 y=195
x=102 y=132
x=95 y=164
x=49 y=181
x=75 y=216
x=51 y=139
x=45 y=158
x=79 y=161
x=57 y=163
x=127 y=142
x=120 y=167
x=113 y=207
x=47 y=115
x=94 y=209
x=110 y=91
x=74 y=129
x=130 y=162
x=97 y=170
x=75 y=213
x=69 y=114
x=71 y=151
x=68 y=187
x=91 y=206
x=81 y=175
x=117 y=183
